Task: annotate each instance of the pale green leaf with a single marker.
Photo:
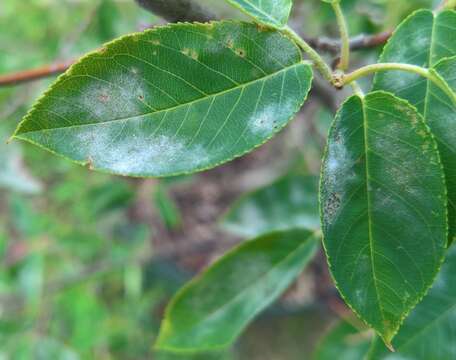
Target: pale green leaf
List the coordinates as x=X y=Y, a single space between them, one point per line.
x=429 y=331
x=424 y=39
x=343 y=342
x=214 y=308
x=172 y=100
x=291 y=202
x=270 y=12
x=383 y=203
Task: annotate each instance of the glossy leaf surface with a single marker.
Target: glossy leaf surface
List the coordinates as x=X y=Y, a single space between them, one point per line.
x=172 y=100
x=429 y=331
x=383 y=206
x=291 y=202
x=270 y=12
x=213 y=309
x=343 y=342
x=424 y=39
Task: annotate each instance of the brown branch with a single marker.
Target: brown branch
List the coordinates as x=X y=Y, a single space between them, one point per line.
x=360 y=42
x=177 y=10
x=34 y=74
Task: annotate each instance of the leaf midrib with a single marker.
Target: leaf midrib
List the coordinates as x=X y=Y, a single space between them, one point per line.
x=369 y=210
x=189 y=103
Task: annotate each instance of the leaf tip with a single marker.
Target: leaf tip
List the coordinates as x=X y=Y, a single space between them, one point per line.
x=390 y=346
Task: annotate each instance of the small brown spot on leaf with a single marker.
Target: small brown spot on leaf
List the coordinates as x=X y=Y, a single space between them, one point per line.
x=104 y=98
x=89 y=163
x=240 y=52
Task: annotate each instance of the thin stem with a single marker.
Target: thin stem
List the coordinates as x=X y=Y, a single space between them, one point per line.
x=345 y=37
x=320 y=64
x=371 y=69
x=429 y=74
x=357 y=89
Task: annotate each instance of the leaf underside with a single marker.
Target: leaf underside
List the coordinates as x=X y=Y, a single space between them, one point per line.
x=383 y=205
x=213 y=309
x=270 y=12
x=429 y=332
x=289 y=203
x=172 y=100
x=424 y=39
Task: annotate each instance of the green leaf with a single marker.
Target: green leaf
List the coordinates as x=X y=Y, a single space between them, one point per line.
x=291 y=202
x=270 y=12
x=172 y=100
x=214 y=308
x=343 y=342
x=383 y=204
x=428 y=333
x=424 y=39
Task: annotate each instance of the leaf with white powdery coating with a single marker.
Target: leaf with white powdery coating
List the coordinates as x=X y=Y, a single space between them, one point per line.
x=429 y=332
x=213 y=309
x=270 y=12
x=424 y=39
x=289 y=203
x=173 y=100
x=383 y=204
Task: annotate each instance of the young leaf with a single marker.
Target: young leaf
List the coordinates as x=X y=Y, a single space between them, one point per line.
x=383 y=204
x=291 y=202
x=270 y=12
x=424 y=39
x=343 y=342
x=428 y=333
x=213 y=309
x=172 y=100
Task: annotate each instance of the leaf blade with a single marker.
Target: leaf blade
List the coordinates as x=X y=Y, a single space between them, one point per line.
x=270 y=12
x=212 y=310
x=173 y=100
x=372 y=206
x=428 y=333
x=434 y=41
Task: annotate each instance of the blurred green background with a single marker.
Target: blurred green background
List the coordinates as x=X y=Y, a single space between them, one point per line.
x=88 y=261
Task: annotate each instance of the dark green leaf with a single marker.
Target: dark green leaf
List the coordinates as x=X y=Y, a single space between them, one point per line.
x=424 y=39
x=343 y=342
x=428 y=333
x=213 y=309
x=270 y=12
x=383 y=202
x=291 y=202
x=172 y=100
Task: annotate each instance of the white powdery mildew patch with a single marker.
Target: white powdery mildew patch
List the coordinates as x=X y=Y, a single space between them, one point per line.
x=132 y=153
x=120 y=95
x=267 y=120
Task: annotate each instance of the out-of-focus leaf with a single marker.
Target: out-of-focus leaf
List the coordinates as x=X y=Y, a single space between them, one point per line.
x=383 y=203
x=270 y=12
x=428 y=333
x=343 y=342
x=291 y=202
x=167 y=209
x=213 y=309
x=173 y=100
